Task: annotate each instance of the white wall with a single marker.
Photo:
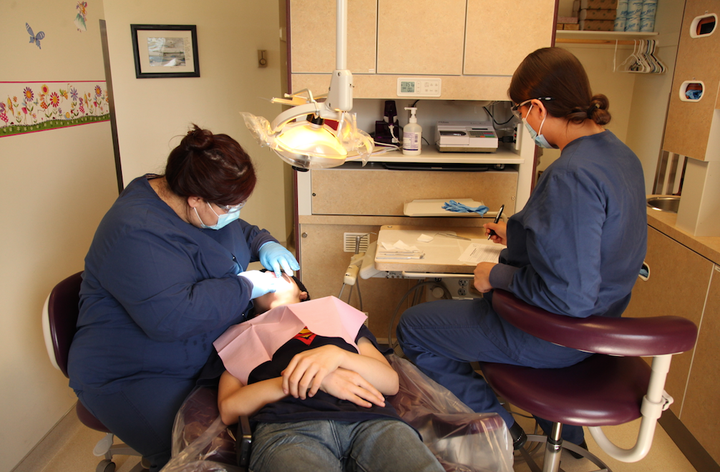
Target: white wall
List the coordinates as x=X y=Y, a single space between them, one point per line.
x=55 y=186
x=153 y=114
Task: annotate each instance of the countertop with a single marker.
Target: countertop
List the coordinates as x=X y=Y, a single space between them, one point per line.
x=706 y=246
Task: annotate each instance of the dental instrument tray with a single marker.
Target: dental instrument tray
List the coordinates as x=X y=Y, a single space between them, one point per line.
x=465 y=136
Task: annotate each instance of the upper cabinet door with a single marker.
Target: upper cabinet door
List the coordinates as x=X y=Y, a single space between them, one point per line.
x=500 y=34
x=420 y=37
x=313 y=35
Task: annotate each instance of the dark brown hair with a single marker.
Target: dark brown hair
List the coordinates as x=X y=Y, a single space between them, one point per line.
x=557 y=73
x=211 y=166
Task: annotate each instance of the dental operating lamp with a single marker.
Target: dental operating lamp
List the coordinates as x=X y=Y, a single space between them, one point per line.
x=316 y=134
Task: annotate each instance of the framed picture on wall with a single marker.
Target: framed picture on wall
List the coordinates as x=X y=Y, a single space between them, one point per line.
x=163 y=51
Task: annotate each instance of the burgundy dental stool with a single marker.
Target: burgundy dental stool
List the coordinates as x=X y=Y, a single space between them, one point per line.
x=612 y=387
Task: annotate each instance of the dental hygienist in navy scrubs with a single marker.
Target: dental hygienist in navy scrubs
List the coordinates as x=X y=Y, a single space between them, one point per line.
x=165 y=275
x=575 y=249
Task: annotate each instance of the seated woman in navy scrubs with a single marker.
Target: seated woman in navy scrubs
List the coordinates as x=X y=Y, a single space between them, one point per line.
x=575 y=249
x=165 y=275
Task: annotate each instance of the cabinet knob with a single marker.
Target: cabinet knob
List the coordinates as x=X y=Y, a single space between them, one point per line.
x=304 y=235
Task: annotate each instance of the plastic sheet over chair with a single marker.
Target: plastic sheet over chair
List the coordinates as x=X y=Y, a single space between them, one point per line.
x=463 y=441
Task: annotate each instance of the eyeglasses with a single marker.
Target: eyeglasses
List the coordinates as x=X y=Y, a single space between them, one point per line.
x=231 y=208
x=516 y=108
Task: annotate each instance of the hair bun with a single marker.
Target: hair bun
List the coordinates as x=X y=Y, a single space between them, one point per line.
x=198 y=139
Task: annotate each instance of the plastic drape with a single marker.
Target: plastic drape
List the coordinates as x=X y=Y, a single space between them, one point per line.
x=463 y=441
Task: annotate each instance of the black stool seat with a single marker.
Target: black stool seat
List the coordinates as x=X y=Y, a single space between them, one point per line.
x=599 y=391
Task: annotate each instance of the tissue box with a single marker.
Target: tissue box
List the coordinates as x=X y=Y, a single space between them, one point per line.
x=598 y=4
x=598 y=14
x=597 y=25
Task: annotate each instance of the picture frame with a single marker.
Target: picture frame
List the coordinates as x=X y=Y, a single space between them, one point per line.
x=165 y=51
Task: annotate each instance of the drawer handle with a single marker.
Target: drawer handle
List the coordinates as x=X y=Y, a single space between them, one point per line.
x=644 y=272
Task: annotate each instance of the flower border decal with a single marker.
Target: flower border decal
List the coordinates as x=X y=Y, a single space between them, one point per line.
x=42 y=106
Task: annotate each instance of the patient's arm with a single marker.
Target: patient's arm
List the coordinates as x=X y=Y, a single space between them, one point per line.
x=306 y=372
x=236 y=399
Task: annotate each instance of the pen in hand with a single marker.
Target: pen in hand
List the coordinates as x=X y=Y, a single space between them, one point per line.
x=497 y=218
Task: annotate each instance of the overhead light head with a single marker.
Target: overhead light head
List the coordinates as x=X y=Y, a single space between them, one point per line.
x=315 y=144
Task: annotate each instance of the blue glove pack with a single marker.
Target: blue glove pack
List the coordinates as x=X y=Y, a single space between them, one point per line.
x=273 y=256
x=452 y=205
x=263 y=282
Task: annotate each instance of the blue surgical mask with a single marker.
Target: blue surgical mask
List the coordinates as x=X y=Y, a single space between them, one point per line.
x=538 y=137
x=223 y=220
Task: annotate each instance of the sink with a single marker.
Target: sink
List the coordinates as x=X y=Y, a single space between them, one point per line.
x=667 y=203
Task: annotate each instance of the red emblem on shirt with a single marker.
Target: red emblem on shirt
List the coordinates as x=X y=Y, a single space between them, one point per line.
x=306 y=336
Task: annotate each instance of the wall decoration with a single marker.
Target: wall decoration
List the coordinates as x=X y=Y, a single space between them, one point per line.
x=28 y=107
x=81 y=17
x=34 y=38
x=163 y=51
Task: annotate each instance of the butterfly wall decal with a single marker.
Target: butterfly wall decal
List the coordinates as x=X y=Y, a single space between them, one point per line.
x=35 y=38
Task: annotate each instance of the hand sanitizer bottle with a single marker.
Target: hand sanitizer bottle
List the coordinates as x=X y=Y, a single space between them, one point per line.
x=412 y=135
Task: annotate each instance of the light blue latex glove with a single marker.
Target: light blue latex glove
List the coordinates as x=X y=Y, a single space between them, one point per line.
x=452 y=205
x=274 y=257
x=263 y=282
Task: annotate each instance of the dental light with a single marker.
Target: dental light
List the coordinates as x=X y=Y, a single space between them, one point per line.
x=313 y=134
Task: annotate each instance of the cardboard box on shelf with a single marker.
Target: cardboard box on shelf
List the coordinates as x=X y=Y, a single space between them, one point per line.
x=567 y=19
x=597 y=14
x=597 y=25
x=598 y=4
x=570 y=26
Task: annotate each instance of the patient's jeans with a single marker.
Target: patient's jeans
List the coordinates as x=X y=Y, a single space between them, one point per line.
x=443 y=337
x=330 y=446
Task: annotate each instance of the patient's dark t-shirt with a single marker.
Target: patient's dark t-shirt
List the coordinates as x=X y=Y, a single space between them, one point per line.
x=322 y=406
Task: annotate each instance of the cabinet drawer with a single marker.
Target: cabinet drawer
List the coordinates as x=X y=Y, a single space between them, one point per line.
x=384 y=192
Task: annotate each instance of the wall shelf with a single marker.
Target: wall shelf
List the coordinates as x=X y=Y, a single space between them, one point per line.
x=600 y=37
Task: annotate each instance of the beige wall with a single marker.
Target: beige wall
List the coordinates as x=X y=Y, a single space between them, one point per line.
x=153 y=114
x=55 y=186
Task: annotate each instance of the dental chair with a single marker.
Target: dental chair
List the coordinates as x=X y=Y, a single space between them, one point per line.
x=59 y=319
x=611 y=387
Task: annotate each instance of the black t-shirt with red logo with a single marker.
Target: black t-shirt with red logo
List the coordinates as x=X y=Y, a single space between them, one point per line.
x=322 y=406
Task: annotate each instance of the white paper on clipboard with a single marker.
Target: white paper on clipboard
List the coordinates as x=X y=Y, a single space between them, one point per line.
x=479 y=252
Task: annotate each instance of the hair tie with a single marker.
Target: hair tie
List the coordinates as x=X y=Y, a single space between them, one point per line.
x=592 y=108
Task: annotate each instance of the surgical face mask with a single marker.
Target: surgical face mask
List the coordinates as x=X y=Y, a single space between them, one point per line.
x=538 y=137
x=223 y=220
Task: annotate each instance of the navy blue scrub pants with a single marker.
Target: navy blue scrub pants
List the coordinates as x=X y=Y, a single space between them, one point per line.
x=141 y=413
x=443 y=337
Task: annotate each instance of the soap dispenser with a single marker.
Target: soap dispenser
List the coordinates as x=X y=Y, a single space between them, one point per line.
x=412 y=135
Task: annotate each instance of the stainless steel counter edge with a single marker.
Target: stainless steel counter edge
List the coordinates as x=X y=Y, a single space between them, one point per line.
x=706 y=246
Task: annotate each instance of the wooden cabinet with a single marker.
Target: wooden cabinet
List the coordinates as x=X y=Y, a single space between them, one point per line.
x=473 y=46
x=498 y=37
x=684 y=283
x=313 y=35
x=420 y=37
x=689 y=122
x=354 y=199
x=677 y=285
x=701 y=407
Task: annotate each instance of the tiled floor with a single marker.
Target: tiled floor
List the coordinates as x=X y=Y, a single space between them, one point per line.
x=76 y=454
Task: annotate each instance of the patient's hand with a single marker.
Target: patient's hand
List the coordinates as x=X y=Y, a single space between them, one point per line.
x=351 y=386
x=306 y=371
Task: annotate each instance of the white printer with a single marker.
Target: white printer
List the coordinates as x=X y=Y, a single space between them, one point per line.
x=465 y=136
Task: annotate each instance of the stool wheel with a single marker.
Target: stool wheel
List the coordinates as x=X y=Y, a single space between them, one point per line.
x=105 y=466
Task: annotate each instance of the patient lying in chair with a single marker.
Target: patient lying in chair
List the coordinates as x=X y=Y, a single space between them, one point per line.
x=317 y=402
